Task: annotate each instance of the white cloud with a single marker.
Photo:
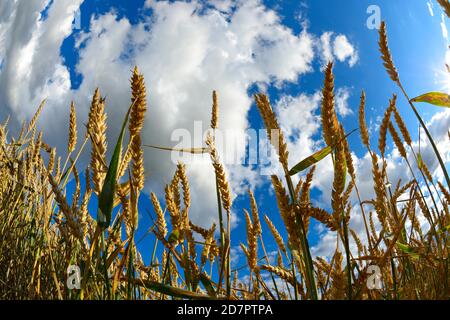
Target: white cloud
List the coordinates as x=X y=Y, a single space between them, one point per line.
x=430 y=7
x=184 y=53
x=299 y=119
x=344 y=50
x=325 y=46
x=444 y=27
x=185 y=50
x=222 y=5
x=31 y=64
x=336 y=47
x=438 y=126
x=342 y=96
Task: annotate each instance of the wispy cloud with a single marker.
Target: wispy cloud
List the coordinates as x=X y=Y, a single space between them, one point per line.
x=430 y=7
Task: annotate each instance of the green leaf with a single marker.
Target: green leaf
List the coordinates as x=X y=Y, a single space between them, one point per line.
x=106 y=197
x=175 y=237
x=408 y=250
x=315 y=158
x=435 y=98
x=311 y=160
x=444 y=229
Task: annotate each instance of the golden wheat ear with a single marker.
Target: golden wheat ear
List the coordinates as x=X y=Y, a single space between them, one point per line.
x=386 y=54
x=72 y=129
x=224 y=187
x=215 y=112
x=139 y=101
x=385 y=124
x=330 y=124
x=362 y=121
x=445 y=4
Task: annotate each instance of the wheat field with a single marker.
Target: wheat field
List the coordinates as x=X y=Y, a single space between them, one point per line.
x=43 y=230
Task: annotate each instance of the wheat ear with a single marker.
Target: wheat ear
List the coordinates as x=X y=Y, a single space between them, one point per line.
x=362 y=121
x=72 y=128
x=330 y=125
x=224 y=187
x=386 y=54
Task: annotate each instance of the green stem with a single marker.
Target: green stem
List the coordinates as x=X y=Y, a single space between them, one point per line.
x=311 y=283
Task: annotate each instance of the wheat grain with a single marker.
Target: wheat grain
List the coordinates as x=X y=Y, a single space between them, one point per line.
x=97 y=132
x=72 y=129
x=215 y=112
x=402 y=126
x=222 y=181
x=323 y=217
x=282 y=273
x=274 y=132
x=362 y=121
x=386 y=54
x=255 y=214
x=181 y=172
x=445 y=192
x=380 y=191
x=252 y=242
x=139 y=103
x=277 y=236
x=338 y=182
x=137 y=157
x=330 y=125
x=385 y=124
x=33 y=121
x=172 y=208
x=445 y=4
x=161 y=224
x=398 y=142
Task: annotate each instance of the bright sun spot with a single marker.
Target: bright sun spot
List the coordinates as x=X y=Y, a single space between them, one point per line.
x=443 y=75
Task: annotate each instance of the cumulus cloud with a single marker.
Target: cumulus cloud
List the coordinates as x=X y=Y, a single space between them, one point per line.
x=300 y=121
x=438 y=126
x=344 y=50
x=326 y=48
x=32 y=67
x=342 y=96
x=184 y=49
x=336 y=47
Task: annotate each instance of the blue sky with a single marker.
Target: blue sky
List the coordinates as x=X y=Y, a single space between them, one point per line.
x=416 y=39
